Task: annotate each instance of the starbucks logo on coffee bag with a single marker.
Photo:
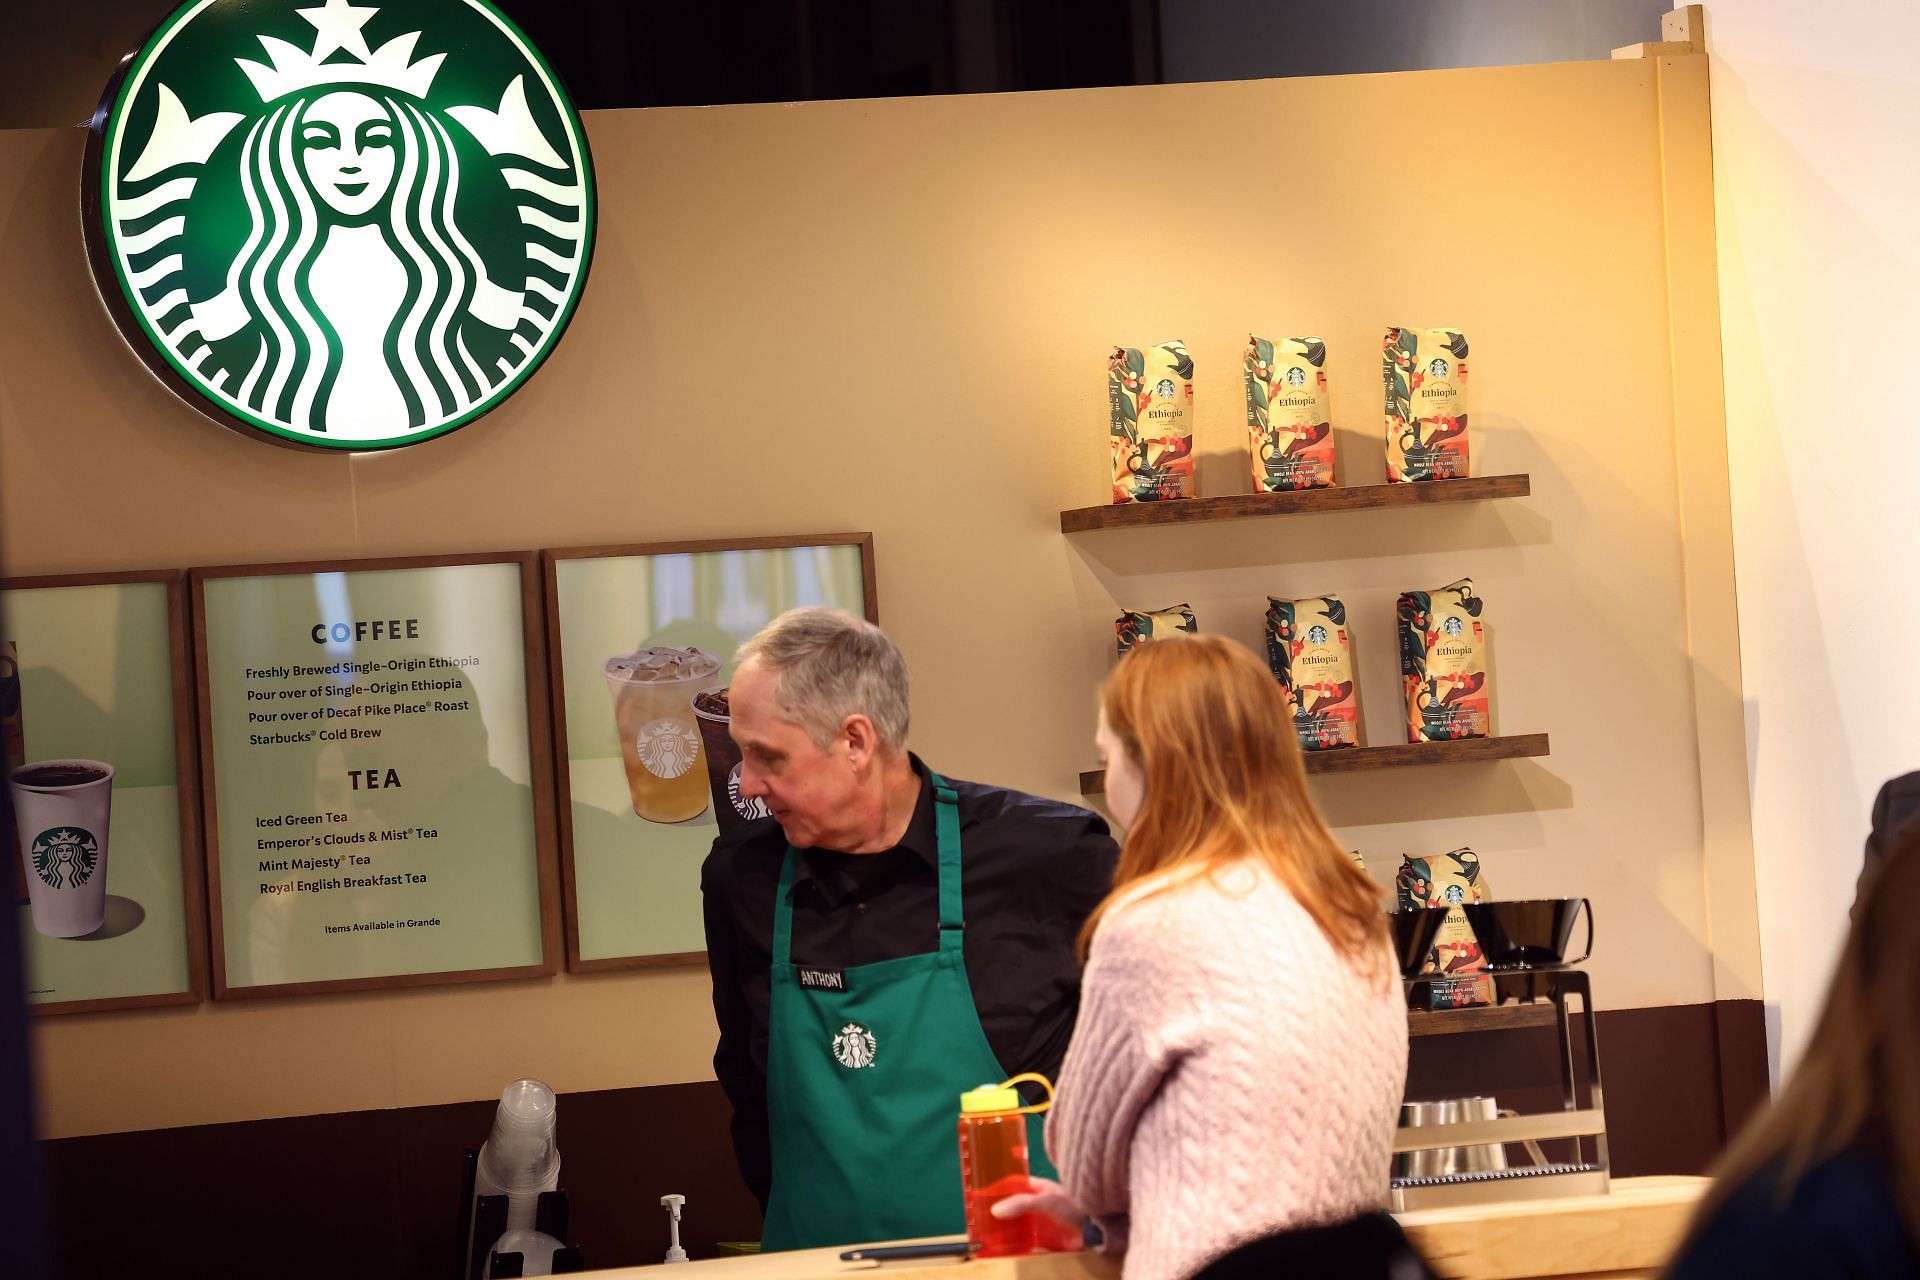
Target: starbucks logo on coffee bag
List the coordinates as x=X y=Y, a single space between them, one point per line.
x=340 y=225
x=64 y=857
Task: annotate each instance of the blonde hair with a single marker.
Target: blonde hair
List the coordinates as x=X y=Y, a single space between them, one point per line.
x=828 y=665
x=1854 y=1085
x=1212 y=734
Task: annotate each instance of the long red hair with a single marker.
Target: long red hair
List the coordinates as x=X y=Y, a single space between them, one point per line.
x=1212 y=735
x=1854 y=1083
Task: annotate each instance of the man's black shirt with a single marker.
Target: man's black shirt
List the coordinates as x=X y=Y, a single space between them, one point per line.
x=1031 y=872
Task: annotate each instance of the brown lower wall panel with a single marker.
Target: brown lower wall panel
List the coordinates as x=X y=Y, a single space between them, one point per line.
x=376 y=1194
x=1677 y=1081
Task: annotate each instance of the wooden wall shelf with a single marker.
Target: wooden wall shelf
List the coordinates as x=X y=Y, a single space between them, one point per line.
x=1492 y=1017
x=1357 y=759
x=1129 y=515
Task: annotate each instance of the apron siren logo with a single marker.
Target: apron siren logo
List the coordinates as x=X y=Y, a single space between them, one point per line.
x=340 y=225
x=65 y=857
x=853 y=1047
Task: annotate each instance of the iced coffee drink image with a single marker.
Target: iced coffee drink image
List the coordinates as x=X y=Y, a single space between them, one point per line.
x=653 y=690
x=714 y=712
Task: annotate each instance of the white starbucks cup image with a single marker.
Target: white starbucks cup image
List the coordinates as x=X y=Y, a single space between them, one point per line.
x=61 y=809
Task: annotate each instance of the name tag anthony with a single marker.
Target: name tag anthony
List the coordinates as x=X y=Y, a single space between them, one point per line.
x=823 y=979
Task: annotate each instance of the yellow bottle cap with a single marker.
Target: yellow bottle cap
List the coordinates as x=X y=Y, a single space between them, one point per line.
x=989 y=1097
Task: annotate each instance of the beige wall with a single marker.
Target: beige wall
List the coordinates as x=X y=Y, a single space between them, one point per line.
x=1817 y=199
x=893 y=316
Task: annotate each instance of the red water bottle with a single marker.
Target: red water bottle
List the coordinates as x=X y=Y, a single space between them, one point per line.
x=993 y=1166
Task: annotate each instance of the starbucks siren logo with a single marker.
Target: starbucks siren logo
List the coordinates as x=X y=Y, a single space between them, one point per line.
x=745 y=806
x=64 y=857
x=340 y=225
x=853 y=1048
x=667 y=747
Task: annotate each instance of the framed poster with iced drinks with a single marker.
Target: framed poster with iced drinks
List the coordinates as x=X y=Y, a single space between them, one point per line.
x=643 y=641
x=102 y=853
x=377 y=779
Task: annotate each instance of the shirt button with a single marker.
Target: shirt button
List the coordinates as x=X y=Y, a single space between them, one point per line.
x=860 y=908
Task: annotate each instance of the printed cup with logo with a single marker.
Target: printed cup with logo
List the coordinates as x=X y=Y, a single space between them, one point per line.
x=61 y=809
x=730 y=808
x=653 y=691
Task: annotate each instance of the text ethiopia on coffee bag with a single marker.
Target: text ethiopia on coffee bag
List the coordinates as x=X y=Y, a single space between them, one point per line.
x=1443 y=663
x=1457 y=968
x=1289 y=414
x=1425 y=375
x=1150 y=427
x=1309 y=650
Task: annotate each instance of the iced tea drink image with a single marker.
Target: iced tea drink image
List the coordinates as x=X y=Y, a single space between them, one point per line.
x=653 y=692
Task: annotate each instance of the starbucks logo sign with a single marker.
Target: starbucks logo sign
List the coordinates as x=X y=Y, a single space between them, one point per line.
x=340 y=225
x=64 y=857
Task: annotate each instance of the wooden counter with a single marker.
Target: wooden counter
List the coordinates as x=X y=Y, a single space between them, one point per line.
x=1626 y=1234
x=1629 y=1232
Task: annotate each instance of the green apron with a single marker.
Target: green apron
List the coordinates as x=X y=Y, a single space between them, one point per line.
x=864 y=1082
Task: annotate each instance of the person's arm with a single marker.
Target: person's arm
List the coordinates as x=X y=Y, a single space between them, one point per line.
x=1085 y=877
x=1119 y=1056
x=733 y=1065
x=1079 y=877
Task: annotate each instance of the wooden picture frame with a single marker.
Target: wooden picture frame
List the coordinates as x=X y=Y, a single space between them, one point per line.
x=552 y=562
x=184 y=741
x=539 y=769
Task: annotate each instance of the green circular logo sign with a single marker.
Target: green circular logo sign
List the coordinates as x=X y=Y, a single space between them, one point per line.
x=349 y=226
x=64 y=857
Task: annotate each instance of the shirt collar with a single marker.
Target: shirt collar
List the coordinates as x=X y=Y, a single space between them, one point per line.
x=922 y=840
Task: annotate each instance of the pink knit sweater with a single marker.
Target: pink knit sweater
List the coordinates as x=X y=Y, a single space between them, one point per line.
x=1230 y=1074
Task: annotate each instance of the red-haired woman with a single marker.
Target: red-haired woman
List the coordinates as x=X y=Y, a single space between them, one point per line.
x=1240 y=1054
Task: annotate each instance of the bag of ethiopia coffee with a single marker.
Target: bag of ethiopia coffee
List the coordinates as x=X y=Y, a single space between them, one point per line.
x=1150 y=432
x=1425 y=371
x=1135 y=627
x=1458 y=969
x=1289 y=414
x=1308 y=650
x=1443 y=663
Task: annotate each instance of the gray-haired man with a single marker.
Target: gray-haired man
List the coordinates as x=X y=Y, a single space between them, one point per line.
x=866 y=971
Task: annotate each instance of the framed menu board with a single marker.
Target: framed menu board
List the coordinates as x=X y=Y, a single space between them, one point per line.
x=376 y=773
x=101 y=858
x=643 y=642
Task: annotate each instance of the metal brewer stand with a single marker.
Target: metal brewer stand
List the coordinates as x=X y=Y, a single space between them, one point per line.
x=1586 y=1126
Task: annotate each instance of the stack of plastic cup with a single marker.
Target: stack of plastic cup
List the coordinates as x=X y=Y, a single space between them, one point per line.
x=521 y=1159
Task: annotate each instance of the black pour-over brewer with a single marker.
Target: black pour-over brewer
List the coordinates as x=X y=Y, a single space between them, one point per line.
x=1455 y=1153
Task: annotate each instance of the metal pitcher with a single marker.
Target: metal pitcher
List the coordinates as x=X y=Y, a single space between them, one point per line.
x=1449 y=1160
